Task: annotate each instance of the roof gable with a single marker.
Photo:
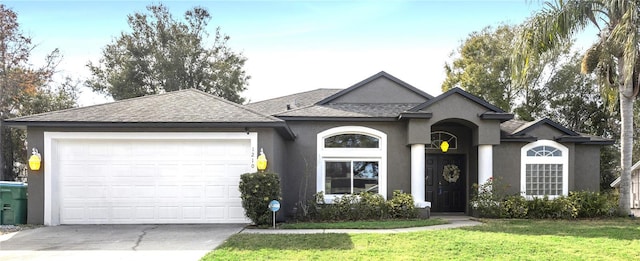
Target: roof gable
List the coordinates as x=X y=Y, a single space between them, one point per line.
x=527 y=127
x=184 y=106
x=379 y=88
x=469 y=96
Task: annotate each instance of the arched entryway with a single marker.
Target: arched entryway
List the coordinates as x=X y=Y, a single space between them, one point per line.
x=447 y=173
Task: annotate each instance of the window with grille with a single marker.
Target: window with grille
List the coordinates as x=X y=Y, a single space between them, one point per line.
x=544 y=169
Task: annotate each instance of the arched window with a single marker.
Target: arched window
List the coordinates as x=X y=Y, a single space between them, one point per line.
x=437 y=137
x=351 y=160
x=545 y=169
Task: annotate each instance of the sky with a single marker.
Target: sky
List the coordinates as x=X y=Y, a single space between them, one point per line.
x=290 y=46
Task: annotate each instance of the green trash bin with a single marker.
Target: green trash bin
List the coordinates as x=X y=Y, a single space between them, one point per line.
x=13 y=203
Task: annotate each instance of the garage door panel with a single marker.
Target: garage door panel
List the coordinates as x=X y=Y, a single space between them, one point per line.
x=151 y=181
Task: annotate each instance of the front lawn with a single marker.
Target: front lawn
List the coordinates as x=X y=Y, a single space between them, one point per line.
x=616 y=239
x=380 y=224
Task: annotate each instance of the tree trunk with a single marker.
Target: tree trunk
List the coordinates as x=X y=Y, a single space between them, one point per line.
x=2 y=168
x=626 y=139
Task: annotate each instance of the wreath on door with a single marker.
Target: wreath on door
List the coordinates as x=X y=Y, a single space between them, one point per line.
x=451 y=173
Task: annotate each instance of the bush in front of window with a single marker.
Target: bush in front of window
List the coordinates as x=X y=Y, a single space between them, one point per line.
x=489 y=201
x=256 y=191
x=363 y=206
x=402 y=206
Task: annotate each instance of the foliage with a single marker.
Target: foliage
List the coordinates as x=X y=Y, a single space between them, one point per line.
x=490 y=201
x=363 y=206
x=482 y=66
x=402 y=206
x=25 y=90
x=594 y=204
x=162 y=54
x=613 y=58
x=608 y=239
x=256 y=191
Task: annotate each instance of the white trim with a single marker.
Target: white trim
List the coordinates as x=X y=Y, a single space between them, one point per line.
x=374 y=154
x=485 y=163
x=418 y=159
x=51 y=197
x=564 y=160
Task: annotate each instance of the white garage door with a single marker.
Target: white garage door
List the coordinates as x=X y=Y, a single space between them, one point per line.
x=151 y=180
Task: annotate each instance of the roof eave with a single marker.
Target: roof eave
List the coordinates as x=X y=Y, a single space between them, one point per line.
x=415 y=115
x=496 y=116
x=319 y=118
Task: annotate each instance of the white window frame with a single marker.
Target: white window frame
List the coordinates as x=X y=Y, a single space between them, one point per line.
x=564 y=160
x=357 y=154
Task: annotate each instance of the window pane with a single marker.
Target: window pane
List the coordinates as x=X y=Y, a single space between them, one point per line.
x=544 y=151
x=365 y=176
x=338 y=177
x=351 y=141
x=543 y=179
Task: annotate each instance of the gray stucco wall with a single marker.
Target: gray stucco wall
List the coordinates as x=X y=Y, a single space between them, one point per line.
x=584 y=166
x=587 y=168
x=381 y=90
x=458 y=107
x=506 y=165
x=302 y=157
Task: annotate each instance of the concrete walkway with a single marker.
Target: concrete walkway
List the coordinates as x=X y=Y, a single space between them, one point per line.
x=454 y=222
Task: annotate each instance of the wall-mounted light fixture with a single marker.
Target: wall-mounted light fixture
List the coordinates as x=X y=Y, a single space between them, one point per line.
x=35 y=160
x=444 y=146
x=262 y=161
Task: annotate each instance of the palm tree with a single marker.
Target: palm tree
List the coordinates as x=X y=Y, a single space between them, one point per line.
x=613 y=58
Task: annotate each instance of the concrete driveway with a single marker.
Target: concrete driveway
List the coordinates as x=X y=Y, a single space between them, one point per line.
x=115 y=242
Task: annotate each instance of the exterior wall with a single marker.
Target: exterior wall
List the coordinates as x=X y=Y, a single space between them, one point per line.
x=35 y=190
x=302 y=158
x=506 y=165
x=381 y=90
x=35 y=138
x=587 y=168
x=584 y=166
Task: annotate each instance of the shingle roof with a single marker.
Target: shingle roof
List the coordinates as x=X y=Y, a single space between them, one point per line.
x=185 y=106
x=294 y=101
x=350 y=110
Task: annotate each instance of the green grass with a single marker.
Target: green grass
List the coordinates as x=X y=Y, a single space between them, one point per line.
x=385 y=224
x=616 y=239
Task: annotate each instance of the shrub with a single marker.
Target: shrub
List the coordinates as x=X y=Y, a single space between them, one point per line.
x=487 y=199
x=364 y=206
x=256 y=191
x=371 y=207
x=594 y=204
x=401 y=206
x=515 y=206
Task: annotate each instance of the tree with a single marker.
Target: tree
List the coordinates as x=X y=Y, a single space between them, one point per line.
x=162 y=54
x=613 y=58
x=24 y=89
x=578 y=105
x=482 y=66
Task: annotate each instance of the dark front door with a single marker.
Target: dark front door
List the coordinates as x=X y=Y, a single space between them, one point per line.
x=445 y=186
